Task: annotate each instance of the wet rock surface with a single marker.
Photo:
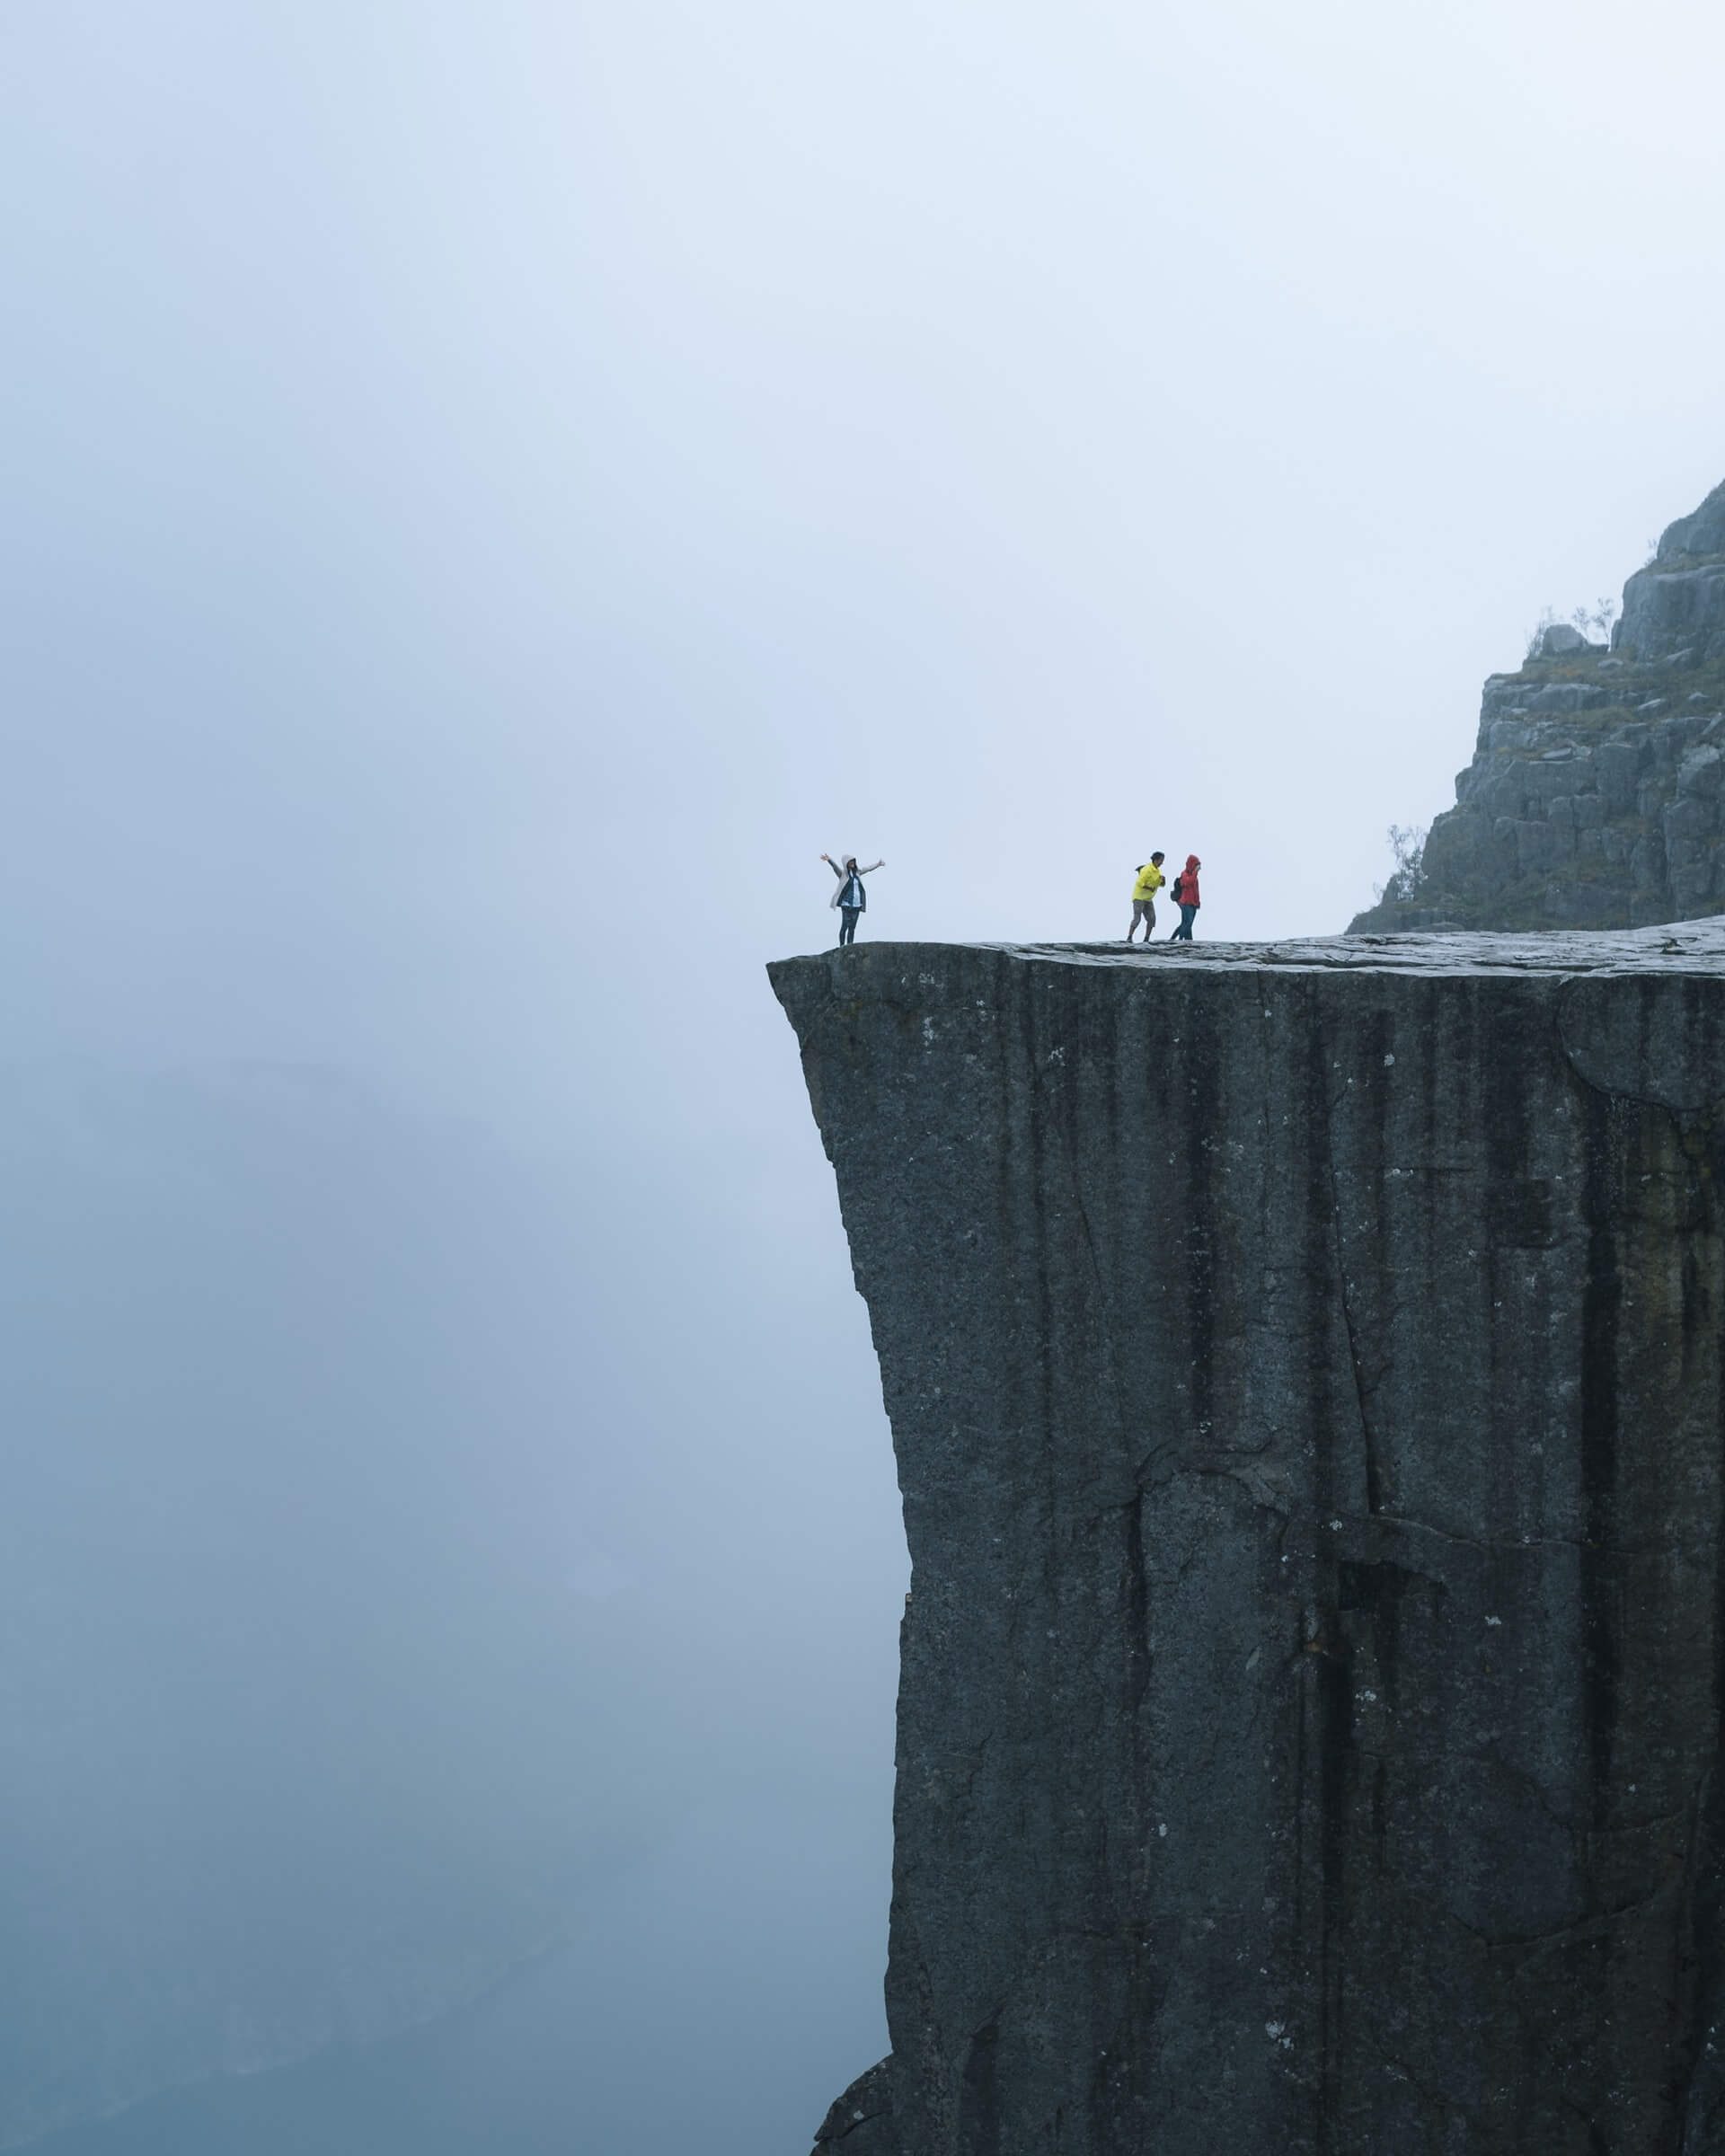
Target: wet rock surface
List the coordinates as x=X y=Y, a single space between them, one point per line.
x=1305 y=1373
x=1585 y=804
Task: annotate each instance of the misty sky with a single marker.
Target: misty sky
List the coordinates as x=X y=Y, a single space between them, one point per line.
x=494 y=493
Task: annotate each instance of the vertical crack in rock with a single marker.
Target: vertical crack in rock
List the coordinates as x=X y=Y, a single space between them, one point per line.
x=1368 y=1453
x=1647 y=1078
x=1306 y=1371
x=1601 y=1307
x=979 y=2126
x=1138 y=1606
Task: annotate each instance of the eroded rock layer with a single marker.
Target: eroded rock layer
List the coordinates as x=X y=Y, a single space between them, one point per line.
x=1307 y=1375
x=1597 y=784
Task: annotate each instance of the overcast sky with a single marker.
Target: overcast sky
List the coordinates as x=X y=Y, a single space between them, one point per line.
x=494 y=491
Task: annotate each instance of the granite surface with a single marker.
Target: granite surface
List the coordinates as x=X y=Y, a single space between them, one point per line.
x=1306 y=1372
x=1596 y=793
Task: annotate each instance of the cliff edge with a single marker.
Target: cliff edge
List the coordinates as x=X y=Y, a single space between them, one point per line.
x=1306 y=1377
x=1594 y=796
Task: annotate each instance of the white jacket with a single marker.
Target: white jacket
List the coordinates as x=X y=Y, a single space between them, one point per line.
x=843 y=881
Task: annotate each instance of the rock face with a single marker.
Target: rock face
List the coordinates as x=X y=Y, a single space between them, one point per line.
x=1307 y=1375
x=861 y=2122
x=1593 y=798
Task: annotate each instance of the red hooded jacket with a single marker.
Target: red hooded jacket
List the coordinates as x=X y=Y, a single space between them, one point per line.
x=1186 y=891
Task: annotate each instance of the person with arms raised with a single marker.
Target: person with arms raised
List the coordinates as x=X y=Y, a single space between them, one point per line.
x=850 y=897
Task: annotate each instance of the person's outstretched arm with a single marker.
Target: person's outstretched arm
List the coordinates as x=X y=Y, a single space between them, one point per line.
x=871 y=867
x=831 y=864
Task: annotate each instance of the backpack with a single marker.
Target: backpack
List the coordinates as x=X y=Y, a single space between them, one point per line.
x=1178 y=885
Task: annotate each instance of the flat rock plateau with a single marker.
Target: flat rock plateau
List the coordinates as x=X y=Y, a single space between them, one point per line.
x=1306 y=1378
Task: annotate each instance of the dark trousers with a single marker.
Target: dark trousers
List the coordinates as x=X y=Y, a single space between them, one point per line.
x=1183 y=933
x=847 y=925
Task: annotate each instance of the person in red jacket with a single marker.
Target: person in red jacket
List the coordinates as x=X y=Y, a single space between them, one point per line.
x=1186 y=898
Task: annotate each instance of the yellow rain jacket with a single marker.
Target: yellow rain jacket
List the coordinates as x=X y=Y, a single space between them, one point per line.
x=1150 y=881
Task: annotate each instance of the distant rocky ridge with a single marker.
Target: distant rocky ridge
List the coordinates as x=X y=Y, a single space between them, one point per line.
x=1594 y=799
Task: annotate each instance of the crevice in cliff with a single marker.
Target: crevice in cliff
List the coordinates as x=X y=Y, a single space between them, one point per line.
x=979 y=2122
x=1333 y=1683
x=1160 y=1466
x=1438 y=2100
x=1137 y=1607
x=1508 y=1545
x=1368 y=1448
x=1599 y=1925
x=1697 y=1974
x=1601 y=1309
x=1699 y=1978
x=1045 y=1094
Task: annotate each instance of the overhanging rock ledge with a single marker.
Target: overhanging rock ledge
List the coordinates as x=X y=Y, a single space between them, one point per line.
x=1305 y=1370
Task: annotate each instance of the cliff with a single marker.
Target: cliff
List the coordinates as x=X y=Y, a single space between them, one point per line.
x=1305 y=1373
x=1594 y=796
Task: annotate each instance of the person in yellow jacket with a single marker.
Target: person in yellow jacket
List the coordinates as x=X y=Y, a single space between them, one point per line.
x=1143 y=897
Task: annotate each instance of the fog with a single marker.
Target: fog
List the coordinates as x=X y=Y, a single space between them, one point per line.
x=494 y=493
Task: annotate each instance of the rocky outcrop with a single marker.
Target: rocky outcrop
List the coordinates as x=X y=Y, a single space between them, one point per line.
x=1594 y=796
x=1674 y=609
x=1306 y=1377
x=861 y=2122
